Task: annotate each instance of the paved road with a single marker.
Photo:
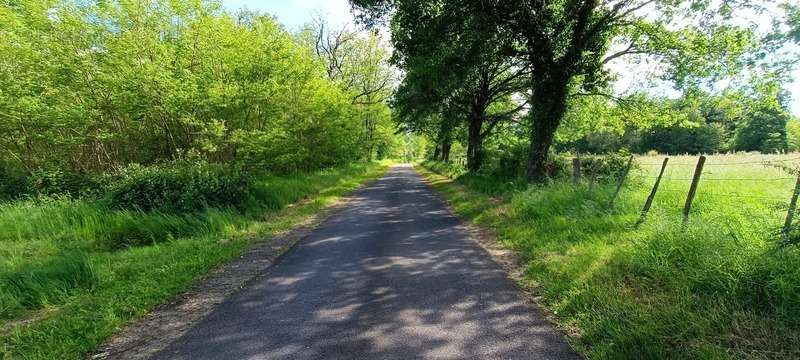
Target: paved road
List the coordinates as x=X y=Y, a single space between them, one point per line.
x=390 y=277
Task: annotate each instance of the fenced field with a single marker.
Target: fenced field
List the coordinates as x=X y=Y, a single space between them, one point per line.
x=752 y=189
x=725 y=284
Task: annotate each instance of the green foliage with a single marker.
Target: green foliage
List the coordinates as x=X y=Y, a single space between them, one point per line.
x=662 y=290
x=180 y=188
x=99 y=85
x=13 y=183
x=606 y=168
x=697 y=139
x=48 y=283
x=95 y=270
x=765 y=131
x=753 y=118
x=555 y=52
x=58 y=180
x=446 y=169
x=793 y=134
x=793 y=20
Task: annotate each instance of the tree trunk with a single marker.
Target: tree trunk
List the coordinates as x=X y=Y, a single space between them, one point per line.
x=436 y=152
x=446 y=149
x=474 y=146
x=548 y=106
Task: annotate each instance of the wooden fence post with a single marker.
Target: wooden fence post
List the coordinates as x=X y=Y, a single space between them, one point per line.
x=698 y=170
x=649 y=202
x=576 y=168
x=592 y=176
x=621 y=181
x=787 y=226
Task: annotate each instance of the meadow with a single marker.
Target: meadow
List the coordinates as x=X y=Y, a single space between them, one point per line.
x=726 y=285
x=67 y=283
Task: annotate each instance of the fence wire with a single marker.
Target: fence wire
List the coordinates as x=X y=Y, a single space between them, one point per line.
x=774 y=194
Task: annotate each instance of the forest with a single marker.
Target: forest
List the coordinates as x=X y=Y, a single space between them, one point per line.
x=144 y=144
x=482 y=91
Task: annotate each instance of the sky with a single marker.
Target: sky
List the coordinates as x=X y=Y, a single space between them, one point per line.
x=295 y=13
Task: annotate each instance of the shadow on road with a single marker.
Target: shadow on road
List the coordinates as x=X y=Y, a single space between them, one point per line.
x=391 y=277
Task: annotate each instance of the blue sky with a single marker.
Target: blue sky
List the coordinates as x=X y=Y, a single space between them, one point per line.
x=295 y=13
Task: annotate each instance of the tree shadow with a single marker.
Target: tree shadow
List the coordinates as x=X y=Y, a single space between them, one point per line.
x=391 y=277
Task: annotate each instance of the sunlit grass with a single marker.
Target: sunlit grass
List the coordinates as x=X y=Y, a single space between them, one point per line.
x=720 y=287
x=61 y=263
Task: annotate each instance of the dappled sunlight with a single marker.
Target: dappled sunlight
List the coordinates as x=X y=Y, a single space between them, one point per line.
x=391 y=276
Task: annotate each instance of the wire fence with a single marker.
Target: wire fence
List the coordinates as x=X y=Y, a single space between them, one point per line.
x=749 y=162
x=702 y=183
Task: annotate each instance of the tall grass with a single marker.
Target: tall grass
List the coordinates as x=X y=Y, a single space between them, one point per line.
x=37 y=285
x=81 y=270
x=720 y=287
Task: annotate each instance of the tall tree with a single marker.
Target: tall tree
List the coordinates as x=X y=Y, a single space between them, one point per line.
x=359 y=63
x=567 y=44
x=469 y=76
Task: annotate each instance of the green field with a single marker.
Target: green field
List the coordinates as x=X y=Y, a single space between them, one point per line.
x=67 y=286
x=720 y=287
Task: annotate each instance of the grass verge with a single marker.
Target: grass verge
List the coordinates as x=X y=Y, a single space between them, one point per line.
x=65 y=290
x=717 y=289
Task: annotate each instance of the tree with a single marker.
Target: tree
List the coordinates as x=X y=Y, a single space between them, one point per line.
x=469 y=77
x=566 y=45
x=96 y=85
x=358 y=63
x=793 y=20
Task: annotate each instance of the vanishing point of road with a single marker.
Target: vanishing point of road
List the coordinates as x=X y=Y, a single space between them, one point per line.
x=392 y=276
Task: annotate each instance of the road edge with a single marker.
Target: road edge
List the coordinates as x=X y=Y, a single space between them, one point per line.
x=166 y=323
x=510 y=261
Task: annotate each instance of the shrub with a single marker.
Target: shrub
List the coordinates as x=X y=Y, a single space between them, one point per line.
x=450 y=169
x=60 y=181
x=179 y=188
x=13 y=184
x=607 y=167
x=50 y=180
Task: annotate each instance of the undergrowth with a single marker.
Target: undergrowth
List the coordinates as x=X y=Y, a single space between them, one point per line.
x=720 y=287
x=72 y=271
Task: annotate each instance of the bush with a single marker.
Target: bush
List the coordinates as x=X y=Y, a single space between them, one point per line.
x=511 y=163
x=52 y=180
x=450 y=169
x=606 y=167
x=13 y=184
x=60 y=181
x=179 y=188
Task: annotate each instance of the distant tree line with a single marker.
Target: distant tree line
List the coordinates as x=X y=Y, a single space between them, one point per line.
x=729 y=122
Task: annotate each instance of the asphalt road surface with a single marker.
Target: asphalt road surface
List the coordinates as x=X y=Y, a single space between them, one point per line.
x=390 y=277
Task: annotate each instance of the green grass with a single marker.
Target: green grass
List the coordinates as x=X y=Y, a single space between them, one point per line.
x=719 y=288
x=66 y=285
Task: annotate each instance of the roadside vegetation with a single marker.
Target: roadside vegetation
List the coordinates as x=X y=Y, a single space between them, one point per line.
x=720 y=287
x=74 y=271
x=145 y=143
x=516 y=98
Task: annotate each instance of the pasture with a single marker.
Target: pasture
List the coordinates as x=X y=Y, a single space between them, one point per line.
x=721 y=286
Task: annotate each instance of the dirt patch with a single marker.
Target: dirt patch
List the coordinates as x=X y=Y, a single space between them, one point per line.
x=168 y=322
